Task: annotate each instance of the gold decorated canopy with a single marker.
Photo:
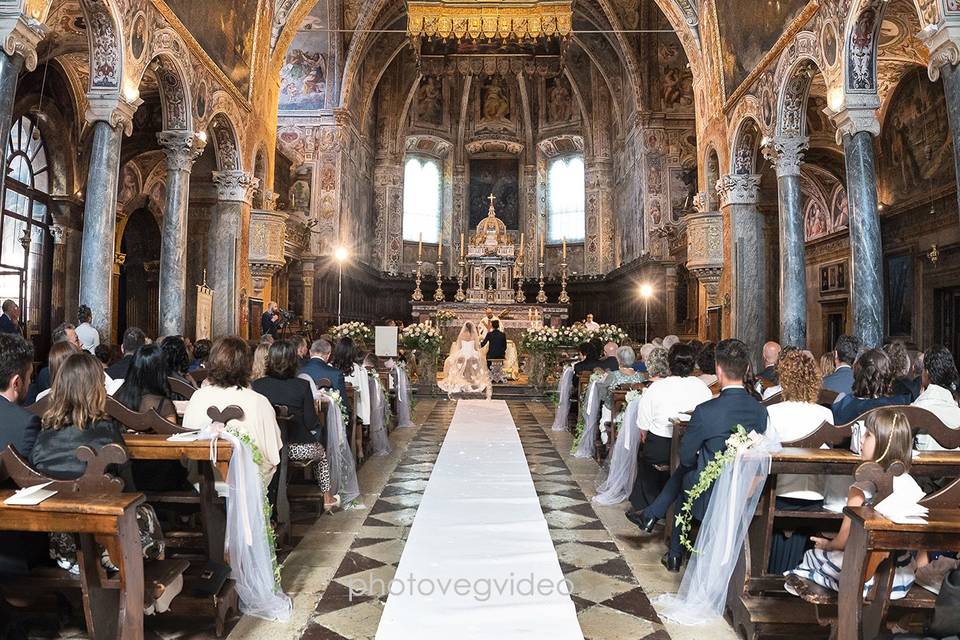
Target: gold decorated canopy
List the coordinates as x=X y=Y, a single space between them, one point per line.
x=518 y=19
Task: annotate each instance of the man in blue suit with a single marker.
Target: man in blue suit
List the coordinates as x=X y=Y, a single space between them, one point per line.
x=845 y=354
x=317 y=368
x=10 y=319
x=706 y=434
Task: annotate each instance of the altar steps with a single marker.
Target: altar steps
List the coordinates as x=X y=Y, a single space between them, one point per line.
x=500 y=392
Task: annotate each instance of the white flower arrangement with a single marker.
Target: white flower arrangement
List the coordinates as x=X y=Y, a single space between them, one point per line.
x=356 y=331
x=421 y=336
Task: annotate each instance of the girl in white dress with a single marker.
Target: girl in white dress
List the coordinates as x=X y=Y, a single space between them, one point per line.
x=464 y=371
x=887 y=437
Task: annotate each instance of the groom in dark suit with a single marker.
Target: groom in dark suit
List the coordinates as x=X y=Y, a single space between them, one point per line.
x=706 y=434
x=497 y=341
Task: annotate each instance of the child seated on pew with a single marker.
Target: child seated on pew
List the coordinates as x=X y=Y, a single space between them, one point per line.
x=886 y=438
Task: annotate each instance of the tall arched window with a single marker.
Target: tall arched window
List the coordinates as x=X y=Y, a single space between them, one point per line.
x=421 y=199
x=24 y=224
x=565 y=199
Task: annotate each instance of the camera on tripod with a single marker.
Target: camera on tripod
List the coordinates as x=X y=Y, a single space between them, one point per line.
x=286 y=317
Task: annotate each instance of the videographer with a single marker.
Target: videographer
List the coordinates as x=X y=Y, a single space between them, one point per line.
x=270 y=321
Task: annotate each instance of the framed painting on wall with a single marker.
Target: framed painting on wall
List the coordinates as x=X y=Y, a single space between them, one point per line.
x=899 y=295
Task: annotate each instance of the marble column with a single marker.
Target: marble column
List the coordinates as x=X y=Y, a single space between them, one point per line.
x=182 y=148
x=99 y=225
x=19 y=52
x=786 y=153
x=58 y=298
x=234 y=194
x=866 y=252
x=738 y=202
x=944 y=61
x=10 y=67
x=308 y=275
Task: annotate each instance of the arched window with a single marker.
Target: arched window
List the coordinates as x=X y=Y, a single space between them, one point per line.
x=565 y=199
x=421 y=199
x=24 y=224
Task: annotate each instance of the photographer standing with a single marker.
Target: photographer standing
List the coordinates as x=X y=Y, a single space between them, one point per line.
x=269 y=322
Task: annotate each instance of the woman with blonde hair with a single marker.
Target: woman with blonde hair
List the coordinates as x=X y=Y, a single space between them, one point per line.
x=828 y=364
x=259 y=367
x=887 y=438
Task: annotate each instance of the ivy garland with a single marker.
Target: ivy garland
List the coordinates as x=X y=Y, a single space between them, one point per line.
x=738 y=442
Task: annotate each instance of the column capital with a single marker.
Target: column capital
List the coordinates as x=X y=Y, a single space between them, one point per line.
x=182 y=148
x=738 y=188
x=785 y=153
x=113 y=109
x=943 y=42
x=858 y=113
x=25 y=34
x=235 y=185
x=59 y=233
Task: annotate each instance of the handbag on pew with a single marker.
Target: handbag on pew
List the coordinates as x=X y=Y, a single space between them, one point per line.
x=212 y=577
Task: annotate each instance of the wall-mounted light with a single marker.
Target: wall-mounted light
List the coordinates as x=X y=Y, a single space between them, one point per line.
x=933 y=255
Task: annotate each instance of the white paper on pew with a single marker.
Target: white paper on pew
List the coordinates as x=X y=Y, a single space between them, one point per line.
x=30 y=496
x=189 y=436
x=902 y=506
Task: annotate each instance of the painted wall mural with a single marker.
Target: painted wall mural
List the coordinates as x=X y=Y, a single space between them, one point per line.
x=304 y=71
x=916 y=149
x=499 y=176
x=226 y=36
x=825 y=203
x=750 y=29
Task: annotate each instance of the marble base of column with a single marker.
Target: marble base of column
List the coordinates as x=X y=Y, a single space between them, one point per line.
x=99 y=224
x=866 y=252
x=951 y=88
x=793 y=274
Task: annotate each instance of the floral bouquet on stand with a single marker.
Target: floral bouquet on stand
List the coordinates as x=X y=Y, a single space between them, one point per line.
x=610 y=333
x=425 y=340
x=356 y=331
x=445 y=317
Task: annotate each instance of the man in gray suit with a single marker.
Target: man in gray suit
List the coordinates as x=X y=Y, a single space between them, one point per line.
x=844 y=355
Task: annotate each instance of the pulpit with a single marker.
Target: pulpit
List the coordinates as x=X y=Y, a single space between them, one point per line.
x=490 y=261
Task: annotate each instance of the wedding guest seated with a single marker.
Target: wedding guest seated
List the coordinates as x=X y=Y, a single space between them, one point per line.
x=669 y=341
x=228 y=383
x=178 y=358
x=133 y=339
x=346 y=359
x=303 y=349
x=886 y=438
x=104 y=353
x=624 y=374
x=827 y=364
x=706 y=363
x=611 y=360
x=59 y=353
x=845 y=353
x=281 y=386
x=146 y=386
x=661 y=401
x=797 y=416
x=657 y=363
x=589 y=359
x=64 y=332
x=201 y=350
x=706 y=435
x=768 y=374
x=318 y=368
x=906 y=382
x=77 y=416
x=940 y=382
x=259 y=367
x=872 y=388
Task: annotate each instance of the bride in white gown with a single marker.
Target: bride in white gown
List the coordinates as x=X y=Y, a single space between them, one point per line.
x=465 y=371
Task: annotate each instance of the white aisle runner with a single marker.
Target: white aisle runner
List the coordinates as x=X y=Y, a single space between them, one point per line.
x=479 y=562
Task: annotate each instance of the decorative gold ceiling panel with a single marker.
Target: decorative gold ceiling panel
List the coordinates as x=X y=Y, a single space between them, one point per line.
x=517 y=19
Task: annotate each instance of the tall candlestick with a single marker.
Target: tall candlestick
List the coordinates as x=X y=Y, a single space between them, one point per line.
x=461 y=245
x=420 y=247
x=541 y=248
x=564 y=249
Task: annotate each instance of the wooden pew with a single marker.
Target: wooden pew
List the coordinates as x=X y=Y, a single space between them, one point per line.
x=142 y=422
x=94 y=507
x=755 y=597
x=199 y=375
x=617 y=406
x=181 y=388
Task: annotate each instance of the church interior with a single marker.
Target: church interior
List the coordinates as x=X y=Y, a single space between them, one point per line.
x=444 y=219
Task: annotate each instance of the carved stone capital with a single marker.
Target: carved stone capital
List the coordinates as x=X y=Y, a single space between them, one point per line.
x=59 y=234
x=852 y=120
x=182 y=148
x=260 y=274
x=23 y=39
x=235 y=186
x=709 y=277
x=944 y=46
x=786 y=154
x=738 y=189
x=270 y=200
x=113 y=109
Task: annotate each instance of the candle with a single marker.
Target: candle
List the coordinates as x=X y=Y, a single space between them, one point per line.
x=461 y=245
x=521 y=245
x=439 y=251
x=541 y=248
x=564 y=249
x=420 y=247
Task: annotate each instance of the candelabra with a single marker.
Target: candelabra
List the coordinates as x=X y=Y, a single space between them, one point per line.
x=520 y=298
x=438 y=294
x=417 y=293
x=460 y=296
x=541 y=295
x=564 y=298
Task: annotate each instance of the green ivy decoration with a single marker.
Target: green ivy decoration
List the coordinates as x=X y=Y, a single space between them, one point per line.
x=738 y=441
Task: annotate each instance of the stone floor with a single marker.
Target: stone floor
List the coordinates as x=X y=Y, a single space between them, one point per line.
x=613 y=568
